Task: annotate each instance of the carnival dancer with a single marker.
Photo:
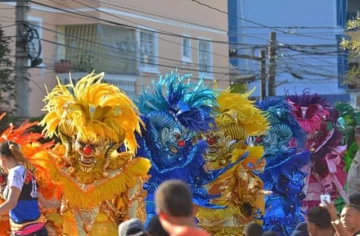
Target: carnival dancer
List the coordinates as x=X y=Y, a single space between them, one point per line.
x=34 y=152
x=241 y=188
x=326 y=171
x=174 y=112
x=21 y=196
x=283 y=176
x=101 y=187
x=349 y=122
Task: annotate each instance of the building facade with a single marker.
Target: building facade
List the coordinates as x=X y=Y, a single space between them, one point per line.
x=133 y=41
x=307 y=51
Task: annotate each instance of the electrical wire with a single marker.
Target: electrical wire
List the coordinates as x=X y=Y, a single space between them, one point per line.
x=114 y=48
x=309 y=52
x=253 y=22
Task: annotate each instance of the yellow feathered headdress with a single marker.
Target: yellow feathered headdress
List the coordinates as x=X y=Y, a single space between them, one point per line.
x=92 y=109
x=247 y=115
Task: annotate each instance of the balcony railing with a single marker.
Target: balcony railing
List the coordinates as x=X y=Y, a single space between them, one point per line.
x=83 y=48
x=126 y=83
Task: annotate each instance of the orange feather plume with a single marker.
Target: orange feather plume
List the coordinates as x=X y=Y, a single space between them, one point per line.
x=36 y=153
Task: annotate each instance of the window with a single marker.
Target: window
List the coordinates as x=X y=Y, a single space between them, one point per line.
x=148 y=49
x=341 y=9
x=186 y=50
x=205 y=58
x=35 y=45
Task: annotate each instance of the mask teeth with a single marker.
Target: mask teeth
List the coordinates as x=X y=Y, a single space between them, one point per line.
x=236 y=132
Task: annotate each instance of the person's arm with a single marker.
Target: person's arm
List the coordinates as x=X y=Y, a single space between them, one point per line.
x=335 y=221
x=47 y=204
x=10 y=203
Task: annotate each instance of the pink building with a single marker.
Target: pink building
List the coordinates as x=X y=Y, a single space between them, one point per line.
x=133 y=41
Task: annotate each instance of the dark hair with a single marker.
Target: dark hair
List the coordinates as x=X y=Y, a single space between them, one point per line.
x=270 y=233
x=253 y=229
x=11 y=150
x=174 y=198
x=354 y=199
x=320 y=217
x=155 y=228
x=302 y=227
x=137 y=232
x=353 y=206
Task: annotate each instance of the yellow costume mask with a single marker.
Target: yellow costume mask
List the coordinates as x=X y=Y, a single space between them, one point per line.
x=241 y=190
x=101 y=186
x=94 y=120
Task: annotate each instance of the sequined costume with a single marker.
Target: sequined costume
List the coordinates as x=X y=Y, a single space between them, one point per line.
x=348 y=120
x=101 y=187
x=173 y=112
x=35 y=152
x=283 y=176
x=240 y=188
x=318 y=118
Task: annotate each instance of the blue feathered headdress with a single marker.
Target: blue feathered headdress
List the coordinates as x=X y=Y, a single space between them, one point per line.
x=190 y=104
x=280 y=112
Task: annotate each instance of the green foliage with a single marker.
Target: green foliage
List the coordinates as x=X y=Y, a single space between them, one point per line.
x=353 y=75
x=339 y=204
x=349 y=119
x=353 y=45
x=7 y=80
x=349 y=155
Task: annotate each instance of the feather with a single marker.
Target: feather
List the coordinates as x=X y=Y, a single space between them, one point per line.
x=93 y=109
x=248 y=116
x=279 y=111
x=197 y=99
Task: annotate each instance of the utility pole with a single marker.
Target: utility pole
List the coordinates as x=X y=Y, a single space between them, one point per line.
x=21 y=64
x=263 y=74
x=272 y=64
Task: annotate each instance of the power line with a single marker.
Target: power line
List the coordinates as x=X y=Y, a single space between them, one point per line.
x=185 y=21
x=171 y=34
x=215 y=72
x=7 y=26
x=157 y=31
x=126 y=26
x=114 y=48
x=127 y=59
x=230 y=33
x=253 y=22
x=157 y=15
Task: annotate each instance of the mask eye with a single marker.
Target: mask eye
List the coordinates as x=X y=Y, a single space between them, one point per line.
x=259 y=139
x=177 y=136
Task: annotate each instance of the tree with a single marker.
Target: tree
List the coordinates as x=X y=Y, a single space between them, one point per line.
x=7 y=80
x=353 y=75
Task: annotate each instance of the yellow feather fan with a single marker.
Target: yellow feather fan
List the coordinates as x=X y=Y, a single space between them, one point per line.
x=248 y=116
x=92 y=109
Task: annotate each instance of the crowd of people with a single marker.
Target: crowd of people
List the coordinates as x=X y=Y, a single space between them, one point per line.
x=175 y=217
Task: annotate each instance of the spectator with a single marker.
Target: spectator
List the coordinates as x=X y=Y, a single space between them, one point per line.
x=253 y=229
x=155 y=228
x=269 y=233
x=350 y=219
x=355 y=198
x=175 y=209
x=319 y=222
x=133 y=227
x=353 y=181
